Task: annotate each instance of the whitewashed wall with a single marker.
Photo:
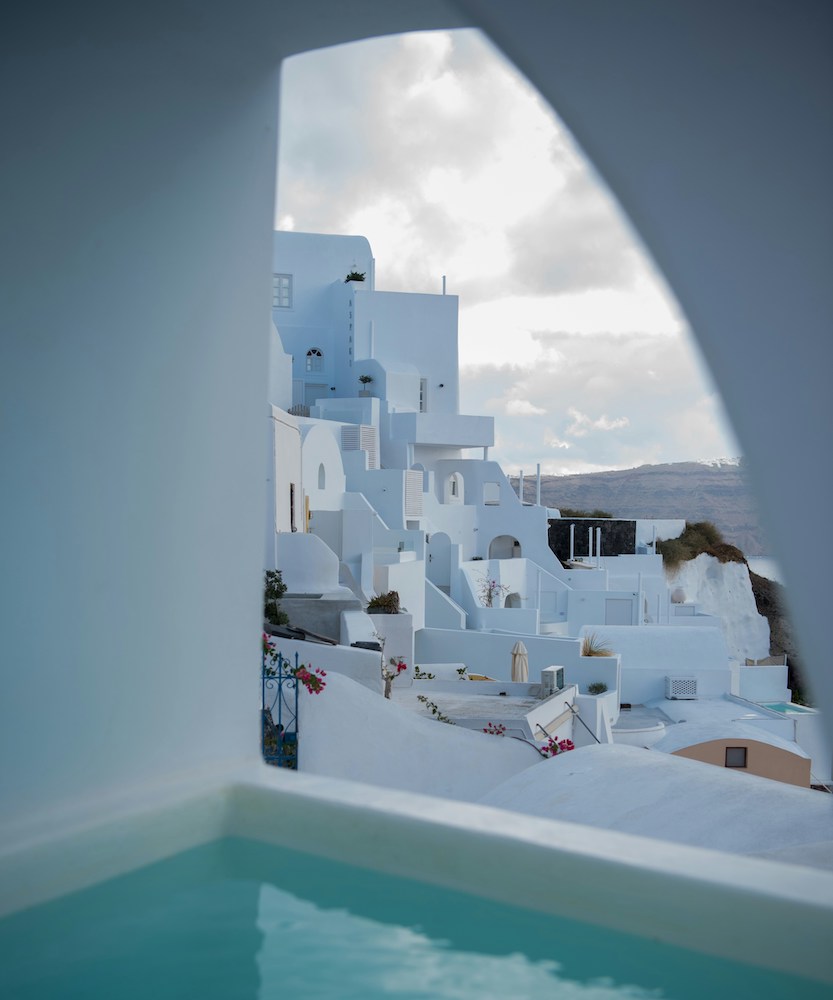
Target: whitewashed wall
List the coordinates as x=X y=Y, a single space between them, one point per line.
x=321 y=459
x=361 y=665
x=491 y=652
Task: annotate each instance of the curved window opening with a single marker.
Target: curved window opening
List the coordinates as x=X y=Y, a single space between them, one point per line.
x=504 y=547
x=454 y=489
x=322 y=477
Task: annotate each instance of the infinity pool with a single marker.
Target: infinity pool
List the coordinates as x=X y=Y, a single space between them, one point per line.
x=236 y=919
x=785 y=707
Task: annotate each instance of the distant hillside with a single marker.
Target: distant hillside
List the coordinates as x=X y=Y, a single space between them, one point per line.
x=690 y=490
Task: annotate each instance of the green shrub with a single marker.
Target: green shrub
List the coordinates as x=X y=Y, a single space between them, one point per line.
x=273 y=590
x=673 y=552
x=597 y=687
x=698 y=538
x=575 y=512
x=384 y=604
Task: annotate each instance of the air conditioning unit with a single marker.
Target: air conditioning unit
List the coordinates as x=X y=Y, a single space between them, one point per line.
x=552 y=680
x=681 y=688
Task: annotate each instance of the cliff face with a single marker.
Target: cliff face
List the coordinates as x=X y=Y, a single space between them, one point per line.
x=769 y=597
x=725 y=591
x=717 y=493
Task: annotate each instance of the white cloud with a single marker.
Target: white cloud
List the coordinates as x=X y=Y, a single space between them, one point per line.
x=618 y=401
x=433 y=147
x=523 y=407
x=581 y=424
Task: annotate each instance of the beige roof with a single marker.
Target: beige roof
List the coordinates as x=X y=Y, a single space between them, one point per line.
x=689 y=734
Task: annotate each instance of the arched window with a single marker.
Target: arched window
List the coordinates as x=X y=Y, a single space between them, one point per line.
x=315 y=360
x=454 y=488
x=322 y=476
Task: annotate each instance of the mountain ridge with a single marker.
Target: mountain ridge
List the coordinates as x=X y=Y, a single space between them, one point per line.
x=696 y=491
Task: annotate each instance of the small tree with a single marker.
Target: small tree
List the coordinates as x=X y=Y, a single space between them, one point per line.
x=490 y=591
x=273 y=590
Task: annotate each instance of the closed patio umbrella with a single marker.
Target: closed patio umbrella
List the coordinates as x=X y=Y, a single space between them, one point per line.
x=520 y=663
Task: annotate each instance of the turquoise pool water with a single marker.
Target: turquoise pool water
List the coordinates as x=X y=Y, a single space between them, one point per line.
x=236 y=919
x=783 y=707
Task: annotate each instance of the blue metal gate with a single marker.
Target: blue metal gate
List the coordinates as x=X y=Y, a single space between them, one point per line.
x=279 y=710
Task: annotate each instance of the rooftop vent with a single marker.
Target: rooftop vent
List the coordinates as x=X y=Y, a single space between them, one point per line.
x=681 y=688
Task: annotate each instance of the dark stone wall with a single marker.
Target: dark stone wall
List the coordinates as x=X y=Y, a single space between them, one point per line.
x=618 y=537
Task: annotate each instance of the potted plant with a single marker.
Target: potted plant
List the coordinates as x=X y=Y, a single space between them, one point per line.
x=354 y=276
x=384 y=604
x=365 y=381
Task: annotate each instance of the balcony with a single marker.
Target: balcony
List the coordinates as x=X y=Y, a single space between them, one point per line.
x=450 y=429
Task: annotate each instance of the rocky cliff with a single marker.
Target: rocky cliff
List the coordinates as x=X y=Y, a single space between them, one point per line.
x=771 y=603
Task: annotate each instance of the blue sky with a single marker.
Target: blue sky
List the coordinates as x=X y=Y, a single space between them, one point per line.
x=438 y=151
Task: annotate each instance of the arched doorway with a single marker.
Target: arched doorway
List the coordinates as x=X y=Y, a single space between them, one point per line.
x=438 y=559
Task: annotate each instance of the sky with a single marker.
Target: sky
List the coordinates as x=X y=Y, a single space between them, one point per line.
x=438 y=151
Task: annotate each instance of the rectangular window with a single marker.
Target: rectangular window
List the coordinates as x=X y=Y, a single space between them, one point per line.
x=281 y=291
x=491 y=494
x=423 y=395
x=735 y=756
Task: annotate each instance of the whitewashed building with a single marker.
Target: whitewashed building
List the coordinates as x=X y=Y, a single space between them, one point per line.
x=394 y=490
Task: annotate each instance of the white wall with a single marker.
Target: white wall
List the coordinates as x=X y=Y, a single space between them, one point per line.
x=280 y=372
x=440 y=610
x=764 y=683
x=320 y=449
x=813 y=737
x=361 y=665
x=393 y=747
x=407 y=578
x=651 y=652
x=508 y=517
x=490 y=653
x=135 y=323
x=286 y=469
x=397 y=631
x=590 y=607
x=308 y=565
x=420 y=330
x=321 y=312
x=599 y=713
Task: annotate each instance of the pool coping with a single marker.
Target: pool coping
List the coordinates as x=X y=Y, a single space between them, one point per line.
x=762 y=912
